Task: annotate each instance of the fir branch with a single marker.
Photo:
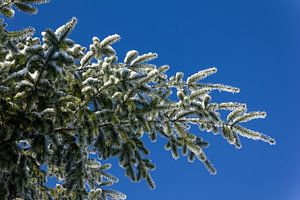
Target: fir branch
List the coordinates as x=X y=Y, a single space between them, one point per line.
x=64 y=103
x=201 y=75
x=253 y=134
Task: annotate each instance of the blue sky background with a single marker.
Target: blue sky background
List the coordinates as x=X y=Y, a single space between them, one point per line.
x=255 y=44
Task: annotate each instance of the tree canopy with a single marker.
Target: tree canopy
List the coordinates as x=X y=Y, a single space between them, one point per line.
x=61 y=102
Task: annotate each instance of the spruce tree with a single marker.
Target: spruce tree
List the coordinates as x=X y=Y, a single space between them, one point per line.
x=61 y=102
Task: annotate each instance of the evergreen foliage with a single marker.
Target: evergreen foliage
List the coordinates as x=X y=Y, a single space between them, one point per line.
x=61 y=102
x=27 y=6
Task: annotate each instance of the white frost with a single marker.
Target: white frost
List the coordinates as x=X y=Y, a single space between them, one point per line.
x=90 y=80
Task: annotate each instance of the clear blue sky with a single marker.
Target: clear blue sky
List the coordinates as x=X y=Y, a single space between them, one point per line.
x=256 y=46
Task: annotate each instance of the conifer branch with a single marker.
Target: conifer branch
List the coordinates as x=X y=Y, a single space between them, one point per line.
x=61 y=103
